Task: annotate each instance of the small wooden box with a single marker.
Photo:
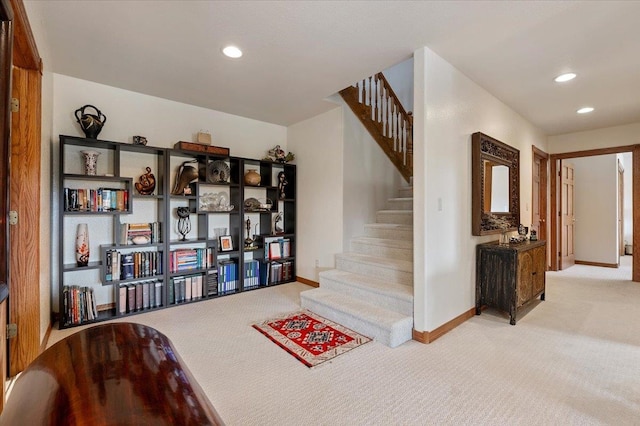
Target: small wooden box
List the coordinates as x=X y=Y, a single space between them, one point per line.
x=204 y=149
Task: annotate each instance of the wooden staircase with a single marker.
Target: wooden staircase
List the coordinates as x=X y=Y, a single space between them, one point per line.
x=375 y=103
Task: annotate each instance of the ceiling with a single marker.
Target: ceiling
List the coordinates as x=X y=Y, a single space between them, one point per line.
x=297 y=53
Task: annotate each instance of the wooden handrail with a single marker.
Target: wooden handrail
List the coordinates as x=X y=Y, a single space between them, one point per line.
x=377 y=106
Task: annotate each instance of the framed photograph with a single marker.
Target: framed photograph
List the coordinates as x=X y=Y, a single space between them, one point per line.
x=226 y=243
x=274 y=250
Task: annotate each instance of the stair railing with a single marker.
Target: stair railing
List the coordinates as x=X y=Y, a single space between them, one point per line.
x=380 y=111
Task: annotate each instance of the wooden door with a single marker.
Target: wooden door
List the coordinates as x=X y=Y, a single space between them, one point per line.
x=539 y=193
x=24 y=236
x=620 y=209
x=567 y=215
x=6 y=43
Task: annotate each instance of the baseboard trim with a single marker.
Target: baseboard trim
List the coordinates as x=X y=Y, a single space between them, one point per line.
x=430 y=336
x=308 y=282
x=604 y=265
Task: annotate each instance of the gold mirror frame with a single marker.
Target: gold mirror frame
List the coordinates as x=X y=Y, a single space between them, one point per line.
x=483 y=148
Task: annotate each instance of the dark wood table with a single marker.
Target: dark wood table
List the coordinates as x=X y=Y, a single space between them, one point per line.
x=110 y=374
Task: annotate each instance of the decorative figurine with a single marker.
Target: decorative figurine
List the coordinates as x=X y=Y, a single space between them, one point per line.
x=139 y=140
x=91 y=124
x=184 y=223
x=248 y=242
x=277 y=224
x=147 y=183
x=277 y=154
x=186 y=174
x=282 y=183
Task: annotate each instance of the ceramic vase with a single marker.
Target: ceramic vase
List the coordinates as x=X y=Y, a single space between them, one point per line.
x=252 y=177
x=90 y=162
x=82 y=245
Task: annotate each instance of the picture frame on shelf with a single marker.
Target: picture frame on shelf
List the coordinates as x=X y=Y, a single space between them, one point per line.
x=226 y=243
x=275 y=251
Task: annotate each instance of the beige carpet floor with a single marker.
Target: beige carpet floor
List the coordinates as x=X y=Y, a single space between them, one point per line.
x=571 y=360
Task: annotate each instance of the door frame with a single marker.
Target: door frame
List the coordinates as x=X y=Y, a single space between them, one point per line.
x=543 y=195
x=554 y=236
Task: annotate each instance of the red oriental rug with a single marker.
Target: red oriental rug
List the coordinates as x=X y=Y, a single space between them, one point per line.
x=309 y=337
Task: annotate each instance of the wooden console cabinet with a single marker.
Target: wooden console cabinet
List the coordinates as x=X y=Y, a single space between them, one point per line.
x=510 y=276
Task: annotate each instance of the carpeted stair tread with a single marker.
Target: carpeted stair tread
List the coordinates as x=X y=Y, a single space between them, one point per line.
x=385 y=242
x=404 y=212
x=400 y=203
x=400 y=265
x=399 y=291
x=393 y=226
x=388 y=327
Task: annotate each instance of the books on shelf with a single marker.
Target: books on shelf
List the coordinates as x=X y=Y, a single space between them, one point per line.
x=96 y=200
x=79 y=304
x=279 y=272
x=227 y=276
x=139 y=296
x=212 y=282
x=139 y=233
x=251 y=274
x=125 y=266
x=191 y=258
x=279 y=248
x=186 y=288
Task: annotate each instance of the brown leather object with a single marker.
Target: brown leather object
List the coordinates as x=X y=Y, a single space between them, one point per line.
x=111 y=374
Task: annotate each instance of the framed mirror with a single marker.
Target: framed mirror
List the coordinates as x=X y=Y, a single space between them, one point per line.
x=495 y=182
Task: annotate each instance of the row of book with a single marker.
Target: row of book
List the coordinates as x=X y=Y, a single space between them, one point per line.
x=139 y=296
x=96 y=200
x=252 y=278
x=227 y=276
x=140 y=233
x=126 y=266
x=277 y=249
x=190 y=287
x=79 y=304
x=191 y=258
x=279 y=272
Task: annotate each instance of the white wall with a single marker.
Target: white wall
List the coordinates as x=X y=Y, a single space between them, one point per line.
x=604 y=138
x=628 y=134
x=596 y=208
x=400 y=77
x=163 y=122
x=449 y=107
x=343 y=179
x=370 y=178
x=318 y=144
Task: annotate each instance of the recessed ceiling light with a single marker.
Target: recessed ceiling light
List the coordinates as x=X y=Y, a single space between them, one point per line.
x=565 y=77
x=232 y=52
x=584 y=110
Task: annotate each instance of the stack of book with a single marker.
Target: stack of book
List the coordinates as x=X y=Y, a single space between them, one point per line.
x=79 y=304
x=140 y=233
x=139 y=296
x=212 y=282
x=96 y=200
